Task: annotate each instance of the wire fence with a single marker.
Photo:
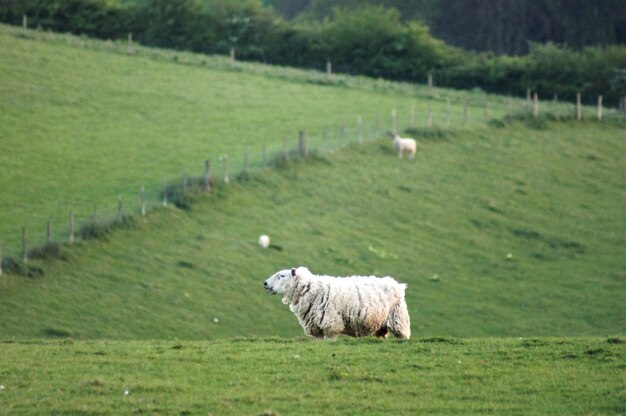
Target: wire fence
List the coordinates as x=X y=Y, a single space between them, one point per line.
x=433 y=108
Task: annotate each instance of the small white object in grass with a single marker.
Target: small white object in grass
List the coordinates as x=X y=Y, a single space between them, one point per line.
x=217 y=321
x=1 y=386
x=126 y=392
x=509 y=256
x=264 y=241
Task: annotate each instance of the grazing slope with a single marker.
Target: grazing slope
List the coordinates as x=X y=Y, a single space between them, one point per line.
x=82 y=121
x=513 y=230
x=510 y=376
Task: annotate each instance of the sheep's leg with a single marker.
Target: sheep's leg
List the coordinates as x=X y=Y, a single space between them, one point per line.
x=383 y=332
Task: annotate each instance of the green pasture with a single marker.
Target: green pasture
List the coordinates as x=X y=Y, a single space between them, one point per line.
x=509 y=230
x=83 y=122
x=276 y=376
x=507 y=227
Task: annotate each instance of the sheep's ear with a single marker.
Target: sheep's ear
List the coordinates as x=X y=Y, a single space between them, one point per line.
x=293 y=272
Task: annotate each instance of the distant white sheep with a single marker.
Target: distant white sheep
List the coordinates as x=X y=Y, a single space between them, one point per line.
x=358 y=306
x=404 y=145
x=264 y=241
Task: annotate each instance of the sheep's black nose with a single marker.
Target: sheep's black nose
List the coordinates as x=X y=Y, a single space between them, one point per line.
x=265 y=284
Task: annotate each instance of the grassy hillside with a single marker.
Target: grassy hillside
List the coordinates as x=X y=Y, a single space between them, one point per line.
x=83 y=121
x=509 y=230
x=542 y=376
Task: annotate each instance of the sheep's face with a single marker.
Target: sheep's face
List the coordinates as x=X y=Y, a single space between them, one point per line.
x=277 y=283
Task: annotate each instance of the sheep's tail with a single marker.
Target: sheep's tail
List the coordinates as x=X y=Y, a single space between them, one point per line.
x=399 y=320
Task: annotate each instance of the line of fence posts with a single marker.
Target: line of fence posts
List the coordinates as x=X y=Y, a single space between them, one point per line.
x=232 y=61
x=303 y=149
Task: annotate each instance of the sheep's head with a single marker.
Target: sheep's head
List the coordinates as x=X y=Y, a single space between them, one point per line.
x=278 y=282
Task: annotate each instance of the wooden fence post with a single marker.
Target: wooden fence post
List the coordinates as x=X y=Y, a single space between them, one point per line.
x=555 y=98
x=207 y=176
x=624 y=106
x=130 y=42
x=71 y=226
x=448 y=111
x=49 y=231
x=165 y=194
x=536 y=105
x=329 y=68
x=25 y=22
x=303 y=144
x=232 y=57
x=599 y=108
x=120 y=209
x=393 y=121
x=465 y=111
x=527 y=99
x=143 y=201
x=430 y=85
x=24 y=246
x=412 y=116
x=359 y=121
x=579 y=110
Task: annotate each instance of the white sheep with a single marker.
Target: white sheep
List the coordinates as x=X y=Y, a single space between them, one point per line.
x=264 y=241
x=404 y=144
x=327 y=306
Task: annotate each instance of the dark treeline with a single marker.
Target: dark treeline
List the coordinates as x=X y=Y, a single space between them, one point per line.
x=372 y=40
x=500 y=26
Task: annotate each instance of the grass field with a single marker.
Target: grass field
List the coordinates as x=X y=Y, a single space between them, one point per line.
x=500 y=231
x=510 y=229
x=96 y=124
x=508 y=376
x=83 y=121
